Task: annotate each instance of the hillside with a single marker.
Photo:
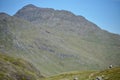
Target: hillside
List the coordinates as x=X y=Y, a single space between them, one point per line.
x=66 y=22
x=56 y=41
x=17 y=69
x=108 y=74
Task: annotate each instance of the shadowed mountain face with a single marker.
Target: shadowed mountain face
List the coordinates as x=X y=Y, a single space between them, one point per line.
x=57 y=40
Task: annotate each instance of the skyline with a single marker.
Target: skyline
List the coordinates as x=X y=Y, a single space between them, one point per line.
x=104 y=13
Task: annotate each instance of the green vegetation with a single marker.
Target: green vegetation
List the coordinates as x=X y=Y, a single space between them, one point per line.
x=109 y=74
x=17 y=69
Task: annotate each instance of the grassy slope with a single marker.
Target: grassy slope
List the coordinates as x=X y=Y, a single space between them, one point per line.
x=16 y=69
x=49 y=49
x=109 y=74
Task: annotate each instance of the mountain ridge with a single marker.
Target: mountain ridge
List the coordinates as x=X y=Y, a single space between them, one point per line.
x=59 y=18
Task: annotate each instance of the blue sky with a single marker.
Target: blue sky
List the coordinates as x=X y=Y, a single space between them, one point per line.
x=104 y=13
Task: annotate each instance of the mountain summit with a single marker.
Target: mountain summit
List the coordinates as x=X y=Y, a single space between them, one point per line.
x=63 y=19
x=37 y=13
x=56 y=41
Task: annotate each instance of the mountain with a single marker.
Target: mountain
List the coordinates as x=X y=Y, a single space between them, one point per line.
x=56 y=41
x=5 y=35
x=65 y=21
x=17 y=69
